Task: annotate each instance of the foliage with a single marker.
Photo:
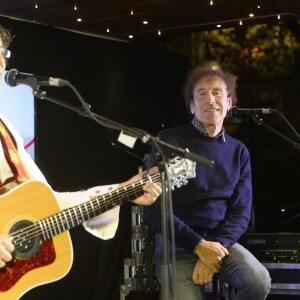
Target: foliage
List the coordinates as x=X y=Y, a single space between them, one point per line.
x=259 y=51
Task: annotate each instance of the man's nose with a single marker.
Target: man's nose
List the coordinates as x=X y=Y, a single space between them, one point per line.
x=211 y=99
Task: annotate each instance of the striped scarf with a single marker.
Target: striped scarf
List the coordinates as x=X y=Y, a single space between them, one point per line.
x=12 y=169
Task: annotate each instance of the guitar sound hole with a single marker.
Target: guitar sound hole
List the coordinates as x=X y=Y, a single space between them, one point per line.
x=26 y=243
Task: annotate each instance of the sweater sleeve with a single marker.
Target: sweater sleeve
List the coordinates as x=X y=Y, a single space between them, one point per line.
x=239 y=208
x=185 y=237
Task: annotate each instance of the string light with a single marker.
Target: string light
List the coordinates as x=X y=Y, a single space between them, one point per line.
x=145 y=22
x=251 y=15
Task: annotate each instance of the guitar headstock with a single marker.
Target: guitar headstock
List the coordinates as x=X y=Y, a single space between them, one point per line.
x=180 y=170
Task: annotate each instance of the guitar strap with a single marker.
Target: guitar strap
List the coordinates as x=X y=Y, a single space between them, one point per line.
x=18 y=173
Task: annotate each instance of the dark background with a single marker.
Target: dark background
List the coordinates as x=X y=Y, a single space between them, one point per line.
x=140 y=87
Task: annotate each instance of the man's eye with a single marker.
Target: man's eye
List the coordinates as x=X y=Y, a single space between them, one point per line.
x=217 y=93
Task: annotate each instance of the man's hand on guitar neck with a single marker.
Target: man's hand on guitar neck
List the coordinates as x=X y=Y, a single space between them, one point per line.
x=151 y=190
x=6 y=248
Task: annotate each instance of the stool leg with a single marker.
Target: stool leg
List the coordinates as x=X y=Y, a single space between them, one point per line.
x=222 y=291
x=231 y=292
x=216 y=288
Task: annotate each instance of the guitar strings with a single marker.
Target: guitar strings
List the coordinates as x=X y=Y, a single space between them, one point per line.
x=35 y=230
x=61 y=222
x=95 y=208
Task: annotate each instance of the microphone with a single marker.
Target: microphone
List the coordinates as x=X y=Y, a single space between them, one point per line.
x=13 y=77
x=235 y=112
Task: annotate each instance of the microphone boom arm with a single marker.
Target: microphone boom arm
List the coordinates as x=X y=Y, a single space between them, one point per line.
x=145 y=137
x=258 y=120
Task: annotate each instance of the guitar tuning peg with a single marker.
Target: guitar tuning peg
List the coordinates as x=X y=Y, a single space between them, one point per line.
x=178 y=184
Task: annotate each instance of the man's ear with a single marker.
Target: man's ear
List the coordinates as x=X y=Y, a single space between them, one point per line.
x=229 y=103
x=192 y=108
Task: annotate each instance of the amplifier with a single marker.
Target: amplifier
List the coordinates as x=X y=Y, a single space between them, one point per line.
x=273 y=247
x=280 y=254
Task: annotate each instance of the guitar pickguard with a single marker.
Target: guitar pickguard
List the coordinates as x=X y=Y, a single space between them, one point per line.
x=17 y=268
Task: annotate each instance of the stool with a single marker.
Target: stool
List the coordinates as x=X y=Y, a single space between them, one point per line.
x=221 y=290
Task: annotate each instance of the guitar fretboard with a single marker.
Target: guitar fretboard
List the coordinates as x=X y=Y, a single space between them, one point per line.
x=74 y=216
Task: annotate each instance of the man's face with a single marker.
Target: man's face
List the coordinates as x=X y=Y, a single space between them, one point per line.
x=211 y=101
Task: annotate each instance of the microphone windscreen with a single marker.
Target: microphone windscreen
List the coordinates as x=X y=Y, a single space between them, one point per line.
x=10 y=77
x=233 y=112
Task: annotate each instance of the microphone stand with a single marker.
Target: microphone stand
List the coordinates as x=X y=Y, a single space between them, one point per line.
x=168 y=271
x=258 y=120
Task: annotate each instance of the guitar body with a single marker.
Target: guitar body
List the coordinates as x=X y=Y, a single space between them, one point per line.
x=46 y=261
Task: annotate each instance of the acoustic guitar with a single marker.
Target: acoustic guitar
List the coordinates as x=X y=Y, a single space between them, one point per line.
x=43 y=249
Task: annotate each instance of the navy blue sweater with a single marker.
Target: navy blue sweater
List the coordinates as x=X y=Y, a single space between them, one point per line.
x=216 y=205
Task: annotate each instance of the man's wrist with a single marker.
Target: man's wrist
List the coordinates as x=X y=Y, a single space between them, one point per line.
x=196 y=247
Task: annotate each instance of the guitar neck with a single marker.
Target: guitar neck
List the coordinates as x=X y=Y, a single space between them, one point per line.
x=74 y=216
x=180 y=170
